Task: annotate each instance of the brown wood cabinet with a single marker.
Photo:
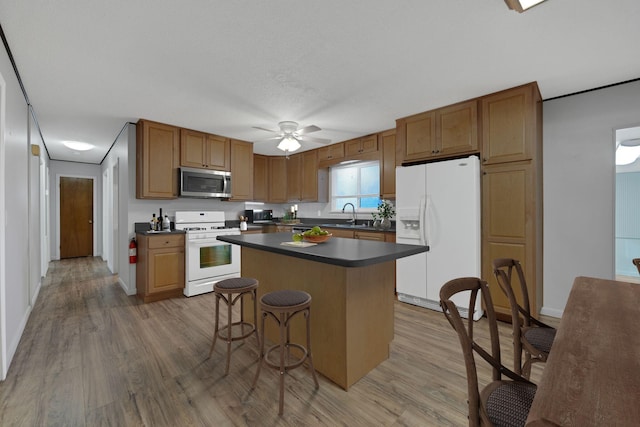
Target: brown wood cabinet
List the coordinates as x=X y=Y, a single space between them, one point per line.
x=366 y=144
x=330 y=154
x=509 y=125
x=157 y=160
x=201 y=150
x=340 y=232
x=309 y=175
x=388 y=166
x=302 y=177
x=260 y=178
x=512 y=189
x=160 y=267
x=241 y=170
x=417 y=135
x=277 y=179
x=294 y=177
x=445 y=132
x=369 y=235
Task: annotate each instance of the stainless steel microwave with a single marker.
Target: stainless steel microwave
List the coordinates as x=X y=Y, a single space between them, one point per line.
x=205 y=183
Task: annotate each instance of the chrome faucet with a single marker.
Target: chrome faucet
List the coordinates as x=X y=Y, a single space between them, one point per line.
x=353 y=220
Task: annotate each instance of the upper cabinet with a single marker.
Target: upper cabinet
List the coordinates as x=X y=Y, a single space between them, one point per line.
x=446 y=132
x=457 y=128
x=294 y=177
x=388 y=165
x=277 y=179
x=157 y=160
x=260 y=178
x=200 y=150
x=509 y=125
x=330 y=154
x=367 y=144
x=309 y=175
x=241 y=170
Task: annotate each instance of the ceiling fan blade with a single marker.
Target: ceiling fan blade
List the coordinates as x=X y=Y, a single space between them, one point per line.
x=316 y=140
x=308 y=129
x=268 y=130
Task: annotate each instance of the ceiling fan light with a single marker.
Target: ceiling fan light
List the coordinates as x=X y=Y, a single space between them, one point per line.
x=289 y=144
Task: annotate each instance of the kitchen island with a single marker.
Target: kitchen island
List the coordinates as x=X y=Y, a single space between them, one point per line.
x=352 y=285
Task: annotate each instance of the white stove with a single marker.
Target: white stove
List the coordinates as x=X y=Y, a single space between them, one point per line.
x=207 y=259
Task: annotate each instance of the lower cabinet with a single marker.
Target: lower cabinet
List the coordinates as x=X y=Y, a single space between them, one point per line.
x=160 y=267
x=340 y=232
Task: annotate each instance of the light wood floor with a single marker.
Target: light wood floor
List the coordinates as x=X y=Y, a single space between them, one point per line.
x=90 y=355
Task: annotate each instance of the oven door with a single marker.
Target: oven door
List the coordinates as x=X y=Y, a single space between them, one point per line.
x=209 y=258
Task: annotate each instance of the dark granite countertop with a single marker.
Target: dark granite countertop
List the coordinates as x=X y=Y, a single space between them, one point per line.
x=336 y=251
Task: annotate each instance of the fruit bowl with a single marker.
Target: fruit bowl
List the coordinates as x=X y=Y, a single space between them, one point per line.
x=317 y=238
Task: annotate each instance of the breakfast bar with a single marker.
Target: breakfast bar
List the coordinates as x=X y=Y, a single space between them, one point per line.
x=352 y=284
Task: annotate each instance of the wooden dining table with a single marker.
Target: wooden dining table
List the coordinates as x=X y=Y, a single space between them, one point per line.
x=592 y=375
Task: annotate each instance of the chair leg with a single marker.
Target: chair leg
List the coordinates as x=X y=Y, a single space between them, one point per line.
x=261 y=351
x=254 y=295
x=283 y=325
x=517 y=357
x=307 y=314
x=229 y=323
x=215 y=328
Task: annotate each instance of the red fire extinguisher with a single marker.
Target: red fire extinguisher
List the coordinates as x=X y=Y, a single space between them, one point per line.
x=133 y=251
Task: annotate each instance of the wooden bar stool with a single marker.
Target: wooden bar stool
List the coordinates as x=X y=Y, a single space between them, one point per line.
x=232 y=290
x=282 y=306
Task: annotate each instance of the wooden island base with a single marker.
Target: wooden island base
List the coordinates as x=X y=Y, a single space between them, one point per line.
x=351 y=311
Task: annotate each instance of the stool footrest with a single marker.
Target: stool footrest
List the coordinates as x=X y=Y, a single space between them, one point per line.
x=225 y=337
x=288 y=365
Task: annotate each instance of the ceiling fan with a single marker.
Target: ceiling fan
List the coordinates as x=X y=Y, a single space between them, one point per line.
x=290 y=136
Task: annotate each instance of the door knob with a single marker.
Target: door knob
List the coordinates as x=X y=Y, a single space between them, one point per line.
x=90 y=221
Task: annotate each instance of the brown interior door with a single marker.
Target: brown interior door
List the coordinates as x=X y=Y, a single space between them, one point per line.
x=76 y=217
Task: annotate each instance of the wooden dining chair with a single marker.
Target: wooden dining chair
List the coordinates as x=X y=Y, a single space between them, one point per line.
x=502 y=401
x=530 y=335
x=636 y=262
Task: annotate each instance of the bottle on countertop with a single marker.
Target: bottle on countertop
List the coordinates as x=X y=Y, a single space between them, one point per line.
x=160 y=218
x=153 y=223
x=166 y=224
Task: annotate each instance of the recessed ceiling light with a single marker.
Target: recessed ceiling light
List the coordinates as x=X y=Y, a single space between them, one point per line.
x=78 y=146
x=522 y=5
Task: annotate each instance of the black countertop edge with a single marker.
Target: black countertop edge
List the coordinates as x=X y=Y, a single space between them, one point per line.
x=336 y=251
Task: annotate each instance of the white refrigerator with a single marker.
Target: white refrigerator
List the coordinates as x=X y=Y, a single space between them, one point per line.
x=438 y=205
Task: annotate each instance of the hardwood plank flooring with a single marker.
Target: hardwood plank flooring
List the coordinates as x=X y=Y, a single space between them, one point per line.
x=91 y=355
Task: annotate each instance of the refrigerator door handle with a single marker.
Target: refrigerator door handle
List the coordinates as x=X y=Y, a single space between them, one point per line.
x=427 y=229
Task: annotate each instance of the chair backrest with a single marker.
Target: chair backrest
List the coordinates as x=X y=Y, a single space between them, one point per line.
x=636 y=262
x=503 y=268
x=477 y=413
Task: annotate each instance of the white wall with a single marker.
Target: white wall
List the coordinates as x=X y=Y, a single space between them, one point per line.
x=36 y=234
x=579 y=186
x=79 y=170
x=20 y=275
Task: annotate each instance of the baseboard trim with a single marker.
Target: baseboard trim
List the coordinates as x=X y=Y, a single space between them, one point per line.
x=435 y=305
x=552 y=312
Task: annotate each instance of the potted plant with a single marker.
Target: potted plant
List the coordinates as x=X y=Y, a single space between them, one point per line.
x=385 y=212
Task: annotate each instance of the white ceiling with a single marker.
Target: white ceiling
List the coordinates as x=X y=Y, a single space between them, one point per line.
x=349 y=67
